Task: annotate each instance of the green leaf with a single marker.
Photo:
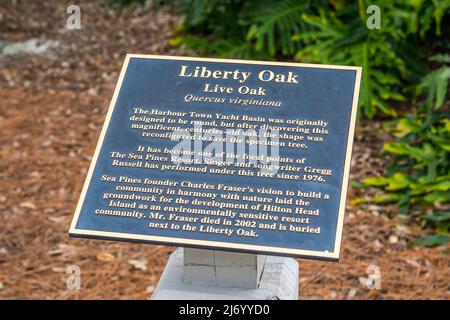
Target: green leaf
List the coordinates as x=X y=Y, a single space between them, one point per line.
x=438 y=196
x=357 y=201
x=358 y=184
x=406 y=126
x=403 y=148
x=376 y=181
x=386 y=198
x=398 y=181
x=439 y=217
x=433 y=240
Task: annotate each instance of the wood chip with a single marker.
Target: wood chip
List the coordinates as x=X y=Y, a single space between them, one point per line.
x=28 y=205
x=138 y=264
x=106 y=257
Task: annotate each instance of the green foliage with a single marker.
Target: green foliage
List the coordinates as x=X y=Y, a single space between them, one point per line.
x=333 y=32
x=436 y=84
x=419 y=173
x=243 y=29
x=342 y=37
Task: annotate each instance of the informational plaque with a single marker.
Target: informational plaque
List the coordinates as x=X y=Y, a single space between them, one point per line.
x=237 y=155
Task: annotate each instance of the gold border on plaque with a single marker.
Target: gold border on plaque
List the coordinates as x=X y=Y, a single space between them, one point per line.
x=73 y=231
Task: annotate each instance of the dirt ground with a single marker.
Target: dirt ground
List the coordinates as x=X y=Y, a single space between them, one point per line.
x=52 y=107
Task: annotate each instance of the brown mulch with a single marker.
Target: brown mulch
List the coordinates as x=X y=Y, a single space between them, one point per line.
x=51 y=112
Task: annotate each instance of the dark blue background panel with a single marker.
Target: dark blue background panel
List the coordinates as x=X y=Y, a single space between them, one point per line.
x=318 y=92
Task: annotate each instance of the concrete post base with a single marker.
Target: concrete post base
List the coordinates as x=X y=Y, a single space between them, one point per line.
x=278 y=278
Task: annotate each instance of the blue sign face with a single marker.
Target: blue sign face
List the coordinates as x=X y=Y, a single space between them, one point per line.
x=226 y=154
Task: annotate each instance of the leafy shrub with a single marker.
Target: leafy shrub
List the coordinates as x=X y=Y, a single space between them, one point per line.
x=322 y=32
x=420 y=170
x=243 y=29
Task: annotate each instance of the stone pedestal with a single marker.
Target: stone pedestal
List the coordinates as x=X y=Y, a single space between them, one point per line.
x=200 y=274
